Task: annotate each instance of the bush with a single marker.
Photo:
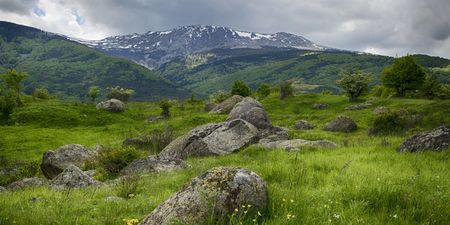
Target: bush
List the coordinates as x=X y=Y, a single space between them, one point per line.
x=263 y=91
x=165 y=107
x=41 y=93
x=403 y=75
x=390 y=122
x=219 y=96
x=119 y=93
x=156 y=141
x=286 y=89
x=113 y=160
x=128 y=186
x=93 y=93
x=355 y=84
x=14 y=170
x=240 y=88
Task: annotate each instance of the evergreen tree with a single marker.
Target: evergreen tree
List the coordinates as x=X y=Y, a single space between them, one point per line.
x=240 y=88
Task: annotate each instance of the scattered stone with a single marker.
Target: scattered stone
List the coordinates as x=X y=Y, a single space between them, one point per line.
x=273 y=134
x=154 y=164
x=298 y=144
x=54 y=162
x=112 y=105
x=214 y=194
x=2 y=189
x=320 y=106
x=209 y=106
x=212 y=139
x=304 y=125
x=251 y=111
x=226 y=106
x=341 y=124
x=359 y=106
x=73 y=177
x=381 y=109
x=434 y=140
x=25 y=183
x=90 y=173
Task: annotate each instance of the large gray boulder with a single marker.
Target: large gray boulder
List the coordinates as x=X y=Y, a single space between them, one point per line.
x=434 y=140
x=25 y=183
x=54 y=162
x=214 y=194
x=341 y=124
x=73 y=177
x=112 y=105
x=154 y=164
x=226 y=106
x=212 y=139
x=304 y=125
x=298 y=144
x=251 y=111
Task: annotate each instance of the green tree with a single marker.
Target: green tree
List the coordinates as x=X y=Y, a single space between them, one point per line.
x=263 y=91
x=41 y=93
x=165 y=107
x=240 y=88
x=403 y=75
x=93 y=92
x=286 y=89
x=12 y=80
x=431 y=87
x=355 y=84
x=120 y=93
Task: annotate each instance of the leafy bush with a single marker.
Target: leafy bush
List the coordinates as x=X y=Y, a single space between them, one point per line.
x=263 y=91
x=113 y=160
x=155 y=141
x=119 y=93
x=355 y=84
x=240 y=88
x=41 y=93
x=219 y=96
x=93 y=92
x=286 y=89
x=390 y=122
x=403 y=75
x=165 y=107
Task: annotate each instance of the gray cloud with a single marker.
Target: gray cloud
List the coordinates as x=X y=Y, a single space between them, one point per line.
x=379 y=26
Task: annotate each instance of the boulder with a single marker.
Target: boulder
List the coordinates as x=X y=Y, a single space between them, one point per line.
x=25 y=183
x=212 y=139
x=209 y=106
x=214 y=194
x=320 y=106
x=380 y=109
x=73 y=177
x=251 y=111
x=298 y=144
x=54 y=162
x=359 y=106
x=112 y=105
x=154 y=164
x=434 y=140
x=273 y=134
x=304 y=125
x=226 y=106
x=341 y=124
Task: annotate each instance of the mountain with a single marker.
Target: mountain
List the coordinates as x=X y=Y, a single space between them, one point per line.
x=68 y=68
x=155 y=48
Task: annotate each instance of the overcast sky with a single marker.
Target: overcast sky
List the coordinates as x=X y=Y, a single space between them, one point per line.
x=388 y=27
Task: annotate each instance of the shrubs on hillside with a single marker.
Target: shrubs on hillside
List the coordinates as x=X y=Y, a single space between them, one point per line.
x=112 y=160
x=390 y=122
x=263 y=91
x=93 y=92
x=219 y=96
x=403 y=75
x=355 y=84
x=41 y=93
x=165 y=108
x=286 y=89
x=10 y=87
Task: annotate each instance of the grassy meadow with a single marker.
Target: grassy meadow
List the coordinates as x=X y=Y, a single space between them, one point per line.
x=364 y=181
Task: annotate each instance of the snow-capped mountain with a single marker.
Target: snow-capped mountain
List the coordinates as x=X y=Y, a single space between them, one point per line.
x=157 y=47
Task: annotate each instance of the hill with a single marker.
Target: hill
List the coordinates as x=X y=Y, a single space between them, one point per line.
x=68 y=68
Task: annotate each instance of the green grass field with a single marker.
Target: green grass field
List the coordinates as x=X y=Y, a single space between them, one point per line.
x=364 y=181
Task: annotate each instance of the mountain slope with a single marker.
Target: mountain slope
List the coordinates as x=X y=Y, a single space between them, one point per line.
x=154 y=48
x=68 y=68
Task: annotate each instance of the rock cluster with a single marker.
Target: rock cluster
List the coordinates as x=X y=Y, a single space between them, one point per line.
x=436 y=139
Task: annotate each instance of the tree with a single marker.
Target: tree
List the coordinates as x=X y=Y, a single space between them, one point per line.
x=355 y=84
x=403 y=75
x=240 y=88
x=41 y=93
x=431 y=87
x=286 y=89
x=263 y=91
x=13 y=81
x=93 y=92
x=120 y=93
